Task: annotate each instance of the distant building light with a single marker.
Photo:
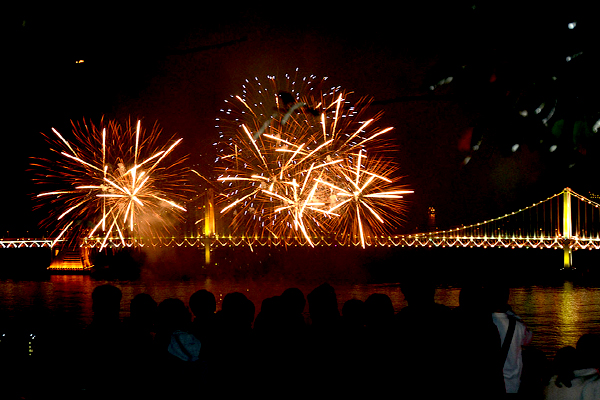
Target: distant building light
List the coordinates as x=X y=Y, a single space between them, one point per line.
x=79 y=62
x=431 y=218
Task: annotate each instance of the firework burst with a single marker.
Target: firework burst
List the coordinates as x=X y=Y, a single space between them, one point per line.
x=293 y=161
x=111 y=181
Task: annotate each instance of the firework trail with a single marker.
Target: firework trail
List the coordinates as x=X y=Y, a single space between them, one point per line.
x=297 y=160
x=110 y=181
x=367 y=197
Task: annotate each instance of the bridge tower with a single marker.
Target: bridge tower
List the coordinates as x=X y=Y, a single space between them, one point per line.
x=209 y=222
x=567 y=230
x=431 y=219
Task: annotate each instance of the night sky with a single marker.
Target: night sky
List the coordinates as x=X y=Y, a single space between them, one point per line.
x=176 y=66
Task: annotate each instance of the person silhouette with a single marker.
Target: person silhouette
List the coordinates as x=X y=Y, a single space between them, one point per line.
x=204 y=306
x=140 y=325
x=514 y=334
x=177 y=351
x=104 y=353
x=475 y=347
x=139 y=332
x=232 y=370
x=576 y=371
x=379 y=344
x=325 y=352
x=423 y=341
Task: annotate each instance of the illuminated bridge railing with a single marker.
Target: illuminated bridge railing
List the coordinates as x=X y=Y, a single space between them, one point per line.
x=414 y=240
x=236 y=241
x=429 y=240
x=25 y=243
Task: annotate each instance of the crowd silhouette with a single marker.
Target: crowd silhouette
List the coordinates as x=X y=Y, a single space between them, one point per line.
x=426 y=350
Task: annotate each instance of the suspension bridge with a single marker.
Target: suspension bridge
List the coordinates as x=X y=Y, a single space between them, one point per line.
x=566 y=221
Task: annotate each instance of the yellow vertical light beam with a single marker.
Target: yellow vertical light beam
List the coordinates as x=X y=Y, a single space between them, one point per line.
x=206 y=251
x=209 y=216
x=567 y=229
x=209 y=223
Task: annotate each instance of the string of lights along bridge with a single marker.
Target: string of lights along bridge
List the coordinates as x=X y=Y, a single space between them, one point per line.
x=566 y=221
x=565 y=217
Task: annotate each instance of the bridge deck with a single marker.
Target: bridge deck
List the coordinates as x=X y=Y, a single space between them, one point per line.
x=417 y=240
x=420 y=240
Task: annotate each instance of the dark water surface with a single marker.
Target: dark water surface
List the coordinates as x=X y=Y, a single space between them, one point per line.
x=557 y=310
x=557 y=315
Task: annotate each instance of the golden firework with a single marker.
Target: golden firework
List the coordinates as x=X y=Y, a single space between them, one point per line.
x=295 y=160
x=111 y=181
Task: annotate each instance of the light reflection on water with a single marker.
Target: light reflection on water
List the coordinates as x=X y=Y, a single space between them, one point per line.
x=558 y=315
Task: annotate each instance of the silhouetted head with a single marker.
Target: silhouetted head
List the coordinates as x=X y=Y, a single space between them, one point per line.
x=172 y=315
x=498 y=294
x=565 y=358
x=565 y=362
x=418 y=290
x=322 y=304
x=294 y=300
x=472 y=297
x=378 y=309
x=203 y=303
x=588 y=351
x=238 y=309
x=143 y=308
x=106 y=302
x=272 y=305
x=353 y=312
x=271 y=314
x=353 y=308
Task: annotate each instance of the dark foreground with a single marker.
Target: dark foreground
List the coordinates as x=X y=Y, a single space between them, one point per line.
x=364 y=350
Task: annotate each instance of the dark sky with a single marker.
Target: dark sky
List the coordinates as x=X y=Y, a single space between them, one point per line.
x=176 y=66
